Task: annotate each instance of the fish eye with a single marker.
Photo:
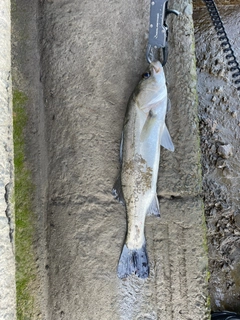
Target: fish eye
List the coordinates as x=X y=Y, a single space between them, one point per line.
x=146 y=75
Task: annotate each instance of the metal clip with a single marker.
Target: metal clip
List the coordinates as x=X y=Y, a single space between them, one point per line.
x=149 y=54
x=158 y=29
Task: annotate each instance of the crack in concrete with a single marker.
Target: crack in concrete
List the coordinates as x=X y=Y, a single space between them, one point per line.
x=8 y=188
x=183 y=198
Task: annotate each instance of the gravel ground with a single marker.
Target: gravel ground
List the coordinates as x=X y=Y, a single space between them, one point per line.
x=220 y=131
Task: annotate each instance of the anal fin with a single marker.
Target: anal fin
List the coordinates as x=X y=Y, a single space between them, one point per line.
x=154 y=207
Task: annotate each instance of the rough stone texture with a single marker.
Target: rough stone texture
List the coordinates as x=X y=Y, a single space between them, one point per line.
x=220 y=132
x=93 y=54
x=201 y=3
x=7 y=261
x=180 y=172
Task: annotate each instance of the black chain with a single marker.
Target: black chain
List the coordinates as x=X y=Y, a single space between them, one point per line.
x=225 y=43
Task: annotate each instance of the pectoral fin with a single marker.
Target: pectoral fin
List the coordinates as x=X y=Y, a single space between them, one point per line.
x=166 y=140
x=149 y=123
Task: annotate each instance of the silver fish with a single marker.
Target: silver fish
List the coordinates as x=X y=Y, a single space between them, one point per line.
x=143 y=132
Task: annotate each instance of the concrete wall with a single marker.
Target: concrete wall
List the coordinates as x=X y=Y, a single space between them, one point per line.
x=92 y=56
x=7 y=260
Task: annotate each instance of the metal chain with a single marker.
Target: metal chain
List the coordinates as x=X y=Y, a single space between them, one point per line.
x=225 y=43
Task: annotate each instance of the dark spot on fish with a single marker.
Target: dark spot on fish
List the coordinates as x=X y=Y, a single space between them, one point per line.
x=150 y=113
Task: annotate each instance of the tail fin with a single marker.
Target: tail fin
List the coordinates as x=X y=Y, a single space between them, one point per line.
x=133 y=262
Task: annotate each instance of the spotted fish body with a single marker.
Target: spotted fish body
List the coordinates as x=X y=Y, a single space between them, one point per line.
x=143 y=132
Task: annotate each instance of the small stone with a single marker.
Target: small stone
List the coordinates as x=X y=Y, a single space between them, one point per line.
x=213 y=212
x=214 y=126
x=227 y=172
x=213 y=98
x=221 y=163
x=224 y=99
x=234 y=114
x=225 y=151
x=221 y=73
x=227 y=232
x=225 y=267
x=218 y=89
x=218 y=205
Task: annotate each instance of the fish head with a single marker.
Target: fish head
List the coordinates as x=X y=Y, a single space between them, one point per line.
x=152 y=88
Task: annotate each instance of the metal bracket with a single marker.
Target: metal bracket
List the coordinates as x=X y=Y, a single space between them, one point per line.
x=158 y=29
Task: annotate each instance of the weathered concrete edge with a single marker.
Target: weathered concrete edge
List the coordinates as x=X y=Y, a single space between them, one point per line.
x=180 y=171
x=198 y=138
x=192 y=79
x=7 y=256
x=31 y=278
x=183 y=44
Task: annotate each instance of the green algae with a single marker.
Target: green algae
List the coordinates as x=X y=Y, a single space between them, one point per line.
x=24 y=222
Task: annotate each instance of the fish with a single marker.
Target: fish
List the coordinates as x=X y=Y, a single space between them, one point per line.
x=144 y=131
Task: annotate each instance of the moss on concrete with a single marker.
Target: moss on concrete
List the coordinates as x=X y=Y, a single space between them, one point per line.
x=25 y=260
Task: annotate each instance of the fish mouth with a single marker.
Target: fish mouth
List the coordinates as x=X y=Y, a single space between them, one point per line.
x=156 y=67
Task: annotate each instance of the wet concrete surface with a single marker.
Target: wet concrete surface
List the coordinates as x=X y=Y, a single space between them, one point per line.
x=220 y=132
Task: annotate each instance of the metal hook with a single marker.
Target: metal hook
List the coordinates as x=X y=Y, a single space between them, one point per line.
x=149 y=54
x=168 y=11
